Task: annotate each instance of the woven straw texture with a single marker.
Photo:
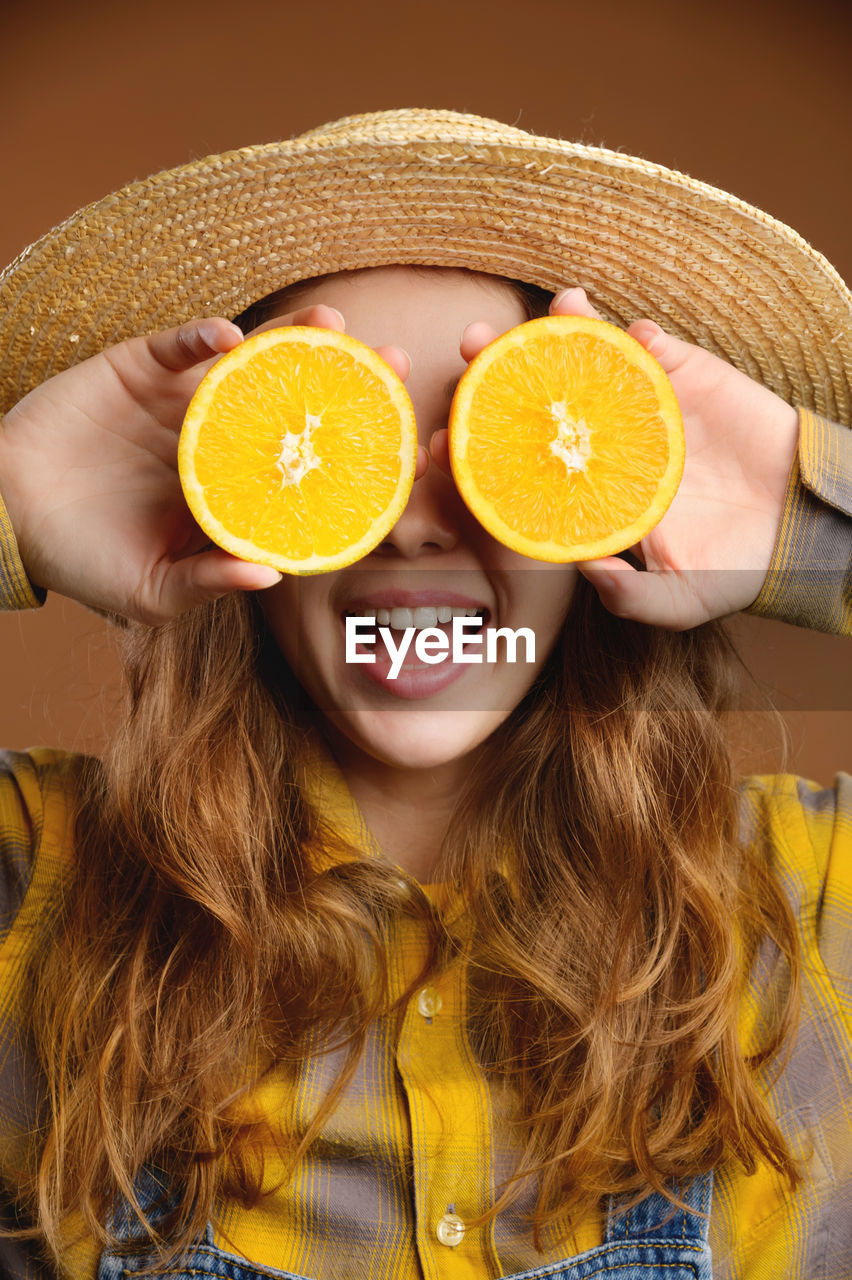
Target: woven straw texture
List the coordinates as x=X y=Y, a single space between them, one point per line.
x=438 y=188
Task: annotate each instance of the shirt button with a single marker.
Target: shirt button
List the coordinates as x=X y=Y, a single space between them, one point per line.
x=429 y=1003
x=450 y=1230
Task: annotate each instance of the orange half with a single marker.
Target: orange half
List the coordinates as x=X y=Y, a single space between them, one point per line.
x=298 y=450
x=566 y=439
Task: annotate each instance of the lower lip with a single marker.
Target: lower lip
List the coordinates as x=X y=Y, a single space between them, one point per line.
x=416 y=679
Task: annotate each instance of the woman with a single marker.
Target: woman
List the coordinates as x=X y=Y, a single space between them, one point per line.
x=309 y=978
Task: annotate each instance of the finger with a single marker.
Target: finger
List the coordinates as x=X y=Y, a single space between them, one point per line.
x=475 y=337
x=659 y=599
x=317 y=316
x=671 y=352
x=439 y=447
x=610 y=578
x=398 y=359
x=573 y=302
x=194 y=580
x=189 y=344
x=422 y=464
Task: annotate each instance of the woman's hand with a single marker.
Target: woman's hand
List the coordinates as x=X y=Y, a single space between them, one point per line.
x=709 y=554
x=88 y=471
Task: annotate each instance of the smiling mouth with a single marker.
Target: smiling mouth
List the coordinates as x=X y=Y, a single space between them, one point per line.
x=423 y=617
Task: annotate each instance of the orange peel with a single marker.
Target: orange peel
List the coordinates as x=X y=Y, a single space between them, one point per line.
x=298 y=450
x=566 y=439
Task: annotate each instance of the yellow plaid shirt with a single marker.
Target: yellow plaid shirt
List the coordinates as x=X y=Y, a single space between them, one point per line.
x=421 y=1132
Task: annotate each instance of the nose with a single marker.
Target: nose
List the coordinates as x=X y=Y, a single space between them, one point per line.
x=431 y=521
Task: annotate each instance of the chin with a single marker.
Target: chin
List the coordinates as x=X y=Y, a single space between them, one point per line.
x=423 y=739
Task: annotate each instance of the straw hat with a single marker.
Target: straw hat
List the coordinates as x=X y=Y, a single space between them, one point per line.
x=434 y=187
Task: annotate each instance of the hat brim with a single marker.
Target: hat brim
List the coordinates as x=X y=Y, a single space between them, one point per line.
x=441 y=189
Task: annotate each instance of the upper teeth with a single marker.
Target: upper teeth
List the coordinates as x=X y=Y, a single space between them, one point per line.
x=423 y=616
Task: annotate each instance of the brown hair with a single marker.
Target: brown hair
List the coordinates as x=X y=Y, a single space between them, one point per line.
x=609 y=953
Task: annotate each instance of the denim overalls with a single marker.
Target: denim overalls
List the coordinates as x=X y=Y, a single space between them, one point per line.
x=651 y=1241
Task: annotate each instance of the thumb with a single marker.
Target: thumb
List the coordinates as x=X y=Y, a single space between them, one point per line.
x=669 y=351
x=659 y=598
x=197 y=579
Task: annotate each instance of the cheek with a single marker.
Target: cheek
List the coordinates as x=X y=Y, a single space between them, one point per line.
x=557 y=586
x=549 y=609
x=541 y=592
x=283 y=608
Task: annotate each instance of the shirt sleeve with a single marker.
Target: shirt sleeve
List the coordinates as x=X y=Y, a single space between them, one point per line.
x=20 y=827
x=832 y=844
x=809 y=582
x=16 y=590
x=38 y=790
x=813 y=859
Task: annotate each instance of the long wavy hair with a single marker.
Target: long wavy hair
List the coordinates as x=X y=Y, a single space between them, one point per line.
x=612 y=911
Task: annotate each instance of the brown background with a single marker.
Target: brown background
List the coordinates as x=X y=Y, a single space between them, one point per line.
x=754 y=98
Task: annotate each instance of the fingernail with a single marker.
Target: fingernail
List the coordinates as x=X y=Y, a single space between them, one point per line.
x=600 y=577
x=408 y=358
x=655 y=342
x=266 y=577
x=207 y=330
x=576 y=293
x=339 y=315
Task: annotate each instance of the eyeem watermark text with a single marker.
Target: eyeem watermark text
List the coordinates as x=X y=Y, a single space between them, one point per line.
x=432 y=645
